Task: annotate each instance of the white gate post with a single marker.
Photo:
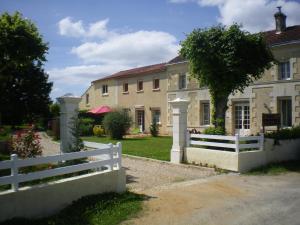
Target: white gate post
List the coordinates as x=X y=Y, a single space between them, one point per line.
x=179 y=128
x=68 y=109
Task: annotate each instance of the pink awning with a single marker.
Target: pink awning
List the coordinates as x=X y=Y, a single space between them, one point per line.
x=100 y=110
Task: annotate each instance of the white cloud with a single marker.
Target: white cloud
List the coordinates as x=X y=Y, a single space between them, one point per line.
x=132 y=49
x=76 y=29
x=254 y=15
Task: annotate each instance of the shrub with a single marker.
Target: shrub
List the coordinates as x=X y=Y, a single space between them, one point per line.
x=76 y=144
x=214 y=131
x=154 y=129
x=98 y=130
x=26 y=144
x=284 y=134
x=86 y=126
x=117 y=123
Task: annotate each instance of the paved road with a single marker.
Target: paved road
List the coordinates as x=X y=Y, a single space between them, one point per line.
x=225 y=200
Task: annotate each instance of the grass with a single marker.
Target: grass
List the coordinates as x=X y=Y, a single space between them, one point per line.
x=276 y=168
x=149 y=147
x=101 y=209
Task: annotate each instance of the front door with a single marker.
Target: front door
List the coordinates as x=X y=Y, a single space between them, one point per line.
x=242 y=118
x=141 y=120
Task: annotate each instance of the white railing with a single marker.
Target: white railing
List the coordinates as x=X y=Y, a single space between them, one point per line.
x=103 y=156
x=230 y=142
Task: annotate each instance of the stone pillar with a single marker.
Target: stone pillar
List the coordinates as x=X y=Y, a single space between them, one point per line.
x=179 y=129
x=68 y=109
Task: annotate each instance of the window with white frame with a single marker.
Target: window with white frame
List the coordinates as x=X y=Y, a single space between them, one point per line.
x=104 y=89
x=155 y=84
x=182 y=81
x=140 y=85
x=125 y=88
x=285 y=107
x=205 y=113
x=156 y=116
x=284 y=70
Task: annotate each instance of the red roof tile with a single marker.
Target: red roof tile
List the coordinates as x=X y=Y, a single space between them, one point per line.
x=289 y=35
x=137 y=71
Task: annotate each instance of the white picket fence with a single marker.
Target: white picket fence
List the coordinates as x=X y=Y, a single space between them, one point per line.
x=235 y=141
x=104 y=155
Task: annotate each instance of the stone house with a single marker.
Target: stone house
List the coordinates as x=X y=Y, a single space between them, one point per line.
x=146 y=91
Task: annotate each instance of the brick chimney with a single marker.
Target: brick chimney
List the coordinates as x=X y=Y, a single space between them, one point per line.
x=280 y=19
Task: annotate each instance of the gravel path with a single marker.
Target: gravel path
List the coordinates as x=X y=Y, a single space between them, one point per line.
x=142 y=174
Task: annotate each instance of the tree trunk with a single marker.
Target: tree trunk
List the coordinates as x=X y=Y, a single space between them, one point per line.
x=219 y=110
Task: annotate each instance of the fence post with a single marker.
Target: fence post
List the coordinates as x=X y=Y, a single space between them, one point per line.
x=188 y=138
x=237 y=143
x=119 y=145
x=111 y=156
x=14 y=172
x=261 y=142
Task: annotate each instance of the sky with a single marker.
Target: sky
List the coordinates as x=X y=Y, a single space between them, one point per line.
x=90 y=39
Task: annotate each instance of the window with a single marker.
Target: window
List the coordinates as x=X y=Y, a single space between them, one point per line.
x=182 y=81
x=104 y=89
x=140 y=85
x=125 y=88
x=205 y=113
x=155 y=84
x=156 y=116
x=285 y=106
x=284 y=70
x=87 y=99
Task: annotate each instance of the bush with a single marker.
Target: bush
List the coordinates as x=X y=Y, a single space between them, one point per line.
x=284 y=134
x=86 y=126
x=154 y=129
x=117 y=123
x=26 y=144
x=98 y=130
x=214 y=131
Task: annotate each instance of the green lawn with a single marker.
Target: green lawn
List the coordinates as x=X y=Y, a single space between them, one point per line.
x=149 y=147
x=277 y=168
x=101 y=209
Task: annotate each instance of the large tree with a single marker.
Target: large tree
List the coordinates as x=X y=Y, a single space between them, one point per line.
x=226 y=60
x=24 y=86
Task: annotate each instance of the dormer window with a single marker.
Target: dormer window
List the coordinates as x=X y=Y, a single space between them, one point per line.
x=284 y=71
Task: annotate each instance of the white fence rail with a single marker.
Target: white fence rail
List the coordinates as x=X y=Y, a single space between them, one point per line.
x=103 y=156
x=231 y=142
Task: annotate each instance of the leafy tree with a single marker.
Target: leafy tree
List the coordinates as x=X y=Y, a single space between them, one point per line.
x=24 y=86
x=117 y=123
x=54 y=110
x=226 y=60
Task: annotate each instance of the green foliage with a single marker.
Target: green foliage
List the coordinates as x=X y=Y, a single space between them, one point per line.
x=100 y=209
x=276 y=168
x=215 y=131
x=98 y=130
x=26 y=144
x=154 y=129
x=284 y=134
x=86 y=126
x=5 y=132
x=77 y=143
x=54 y=110
x=225 y=59
x=117 y=123
x=23 y=82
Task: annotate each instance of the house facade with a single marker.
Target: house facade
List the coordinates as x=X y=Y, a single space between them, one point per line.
x=145 y=92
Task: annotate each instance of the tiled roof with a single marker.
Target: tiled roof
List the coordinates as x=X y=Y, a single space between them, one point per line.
x=137 y=71
x=290 y=34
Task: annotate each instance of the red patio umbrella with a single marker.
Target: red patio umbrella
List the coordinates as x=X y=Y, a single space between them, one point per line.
x=100 y=110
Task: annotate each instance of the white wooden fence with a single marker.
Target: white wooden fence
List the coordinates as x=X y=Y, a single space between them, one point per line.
x=103 y=156
x=230 y=142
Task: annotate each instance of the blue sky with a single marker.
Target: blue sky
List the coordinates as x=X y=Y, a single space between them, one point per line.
x=91 y=39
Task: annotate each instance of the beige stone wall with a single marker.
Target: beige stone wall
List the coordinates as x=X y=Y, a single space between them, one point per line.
x=109 y=99
x=148 y=99
x=82 y=104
